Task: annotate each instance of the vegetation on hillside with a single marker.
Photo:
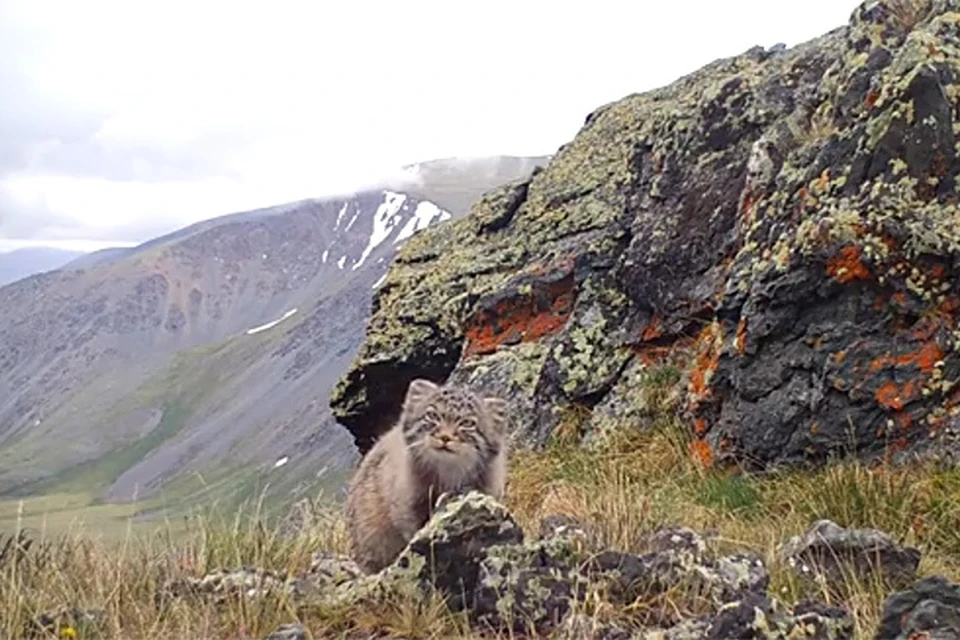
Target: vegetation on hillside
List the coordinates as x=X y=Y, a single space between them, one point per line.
x=622 y=486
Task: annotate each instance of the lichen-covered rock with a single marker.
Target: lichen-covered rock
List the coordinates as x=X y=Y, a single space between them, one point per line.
x=444 y=556
x=329 y=569
x=930 y=609
x=832 y=554
x=223 y=584
x=790 y=214
x=761 y=617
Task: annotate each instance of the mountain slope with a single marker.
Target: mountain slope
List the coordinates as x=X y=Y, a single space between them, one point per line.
x=199 y=362
x=170 y=357
x=21 y=263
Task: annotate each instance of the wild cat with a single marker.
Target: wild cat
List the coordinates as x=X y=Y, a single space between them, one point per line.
x=447 y=439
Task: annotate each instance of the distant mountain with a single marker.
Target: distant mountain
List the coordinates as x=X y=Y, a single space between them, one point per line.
x=100 y=256
x=21 y=263
x=200 y=362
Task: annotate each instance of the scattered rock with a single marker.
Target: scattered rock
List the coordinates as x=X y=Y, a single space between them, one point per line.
x=930 y=609
x=560 y=525
x=473 y=553
x=829 y=553
x=329 y=569
x=759 y=616
x=223 y=584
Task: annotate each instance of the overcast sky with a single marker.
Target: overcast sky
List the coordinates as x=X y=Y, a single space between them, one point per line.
x=123 y=120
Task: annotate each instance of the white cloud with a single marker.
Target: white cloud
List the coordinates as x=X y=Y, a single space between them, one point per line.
x=218 y=106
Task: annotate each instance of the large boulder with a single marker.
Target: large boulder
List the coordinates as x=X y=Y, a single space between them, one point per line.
x=791 y=215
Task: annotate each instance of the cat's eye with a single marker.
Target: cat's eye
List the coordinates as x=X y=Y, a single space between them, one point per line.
x=431 y=415
x=468 y=424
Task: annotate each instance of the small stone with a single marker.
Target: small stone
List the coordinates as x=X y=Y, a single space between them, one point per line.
x=294 y=631
x=829 y=551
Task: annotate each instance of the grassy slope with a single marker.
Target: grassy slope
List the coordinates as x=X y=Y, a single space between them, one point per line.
x=636 y=480
x=71 y=497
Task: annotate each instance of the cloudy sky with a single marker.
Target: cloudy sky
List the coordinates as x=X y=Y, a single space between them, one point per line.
x=122 y=120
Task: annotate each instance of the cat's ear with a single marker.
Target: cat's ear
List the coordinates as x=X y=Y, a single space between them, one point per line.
x=418 y=392
x=497 y=409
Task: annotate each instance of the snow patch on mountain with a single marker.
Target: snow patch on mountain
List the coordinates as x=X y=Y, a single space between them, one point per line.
x=384 y=220
x=271 y=324
x=423 y=217
x=343 y=210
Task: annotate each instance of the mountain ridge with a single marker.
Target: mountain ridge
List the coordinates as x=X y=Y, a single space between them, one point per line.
x=27 y=261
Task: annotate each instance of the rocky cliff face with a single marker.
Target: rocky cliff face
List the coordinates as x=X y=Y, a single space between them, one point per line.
x=788 y=216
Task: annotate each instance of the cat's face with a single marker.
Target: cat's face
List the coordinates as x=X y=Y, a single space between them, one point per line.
x=451 y=427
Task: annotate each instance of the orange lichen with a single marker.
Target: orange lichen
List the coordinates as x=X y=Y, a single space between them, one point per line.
x=923 y=358
x=521 y=318
x=653 y=330
x=888 y=395
x=893 y=397
x=706 y=362
x=846 y=266
x=821 y=182
x=740 y=342
x=839 y=357
x=701 y=452
x=700 y=426
x=872 y=98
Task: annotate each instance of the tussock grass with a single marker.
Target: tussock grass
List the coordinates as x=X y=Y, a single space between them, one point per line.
x=622 y=487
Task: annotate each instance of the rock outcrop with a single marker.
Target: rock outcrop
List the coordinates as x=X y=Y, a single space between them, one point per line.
x=788 y=215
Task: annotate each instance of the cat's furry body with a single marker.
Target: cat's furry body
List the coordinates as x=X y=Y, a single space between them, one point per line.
x=447 y=439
